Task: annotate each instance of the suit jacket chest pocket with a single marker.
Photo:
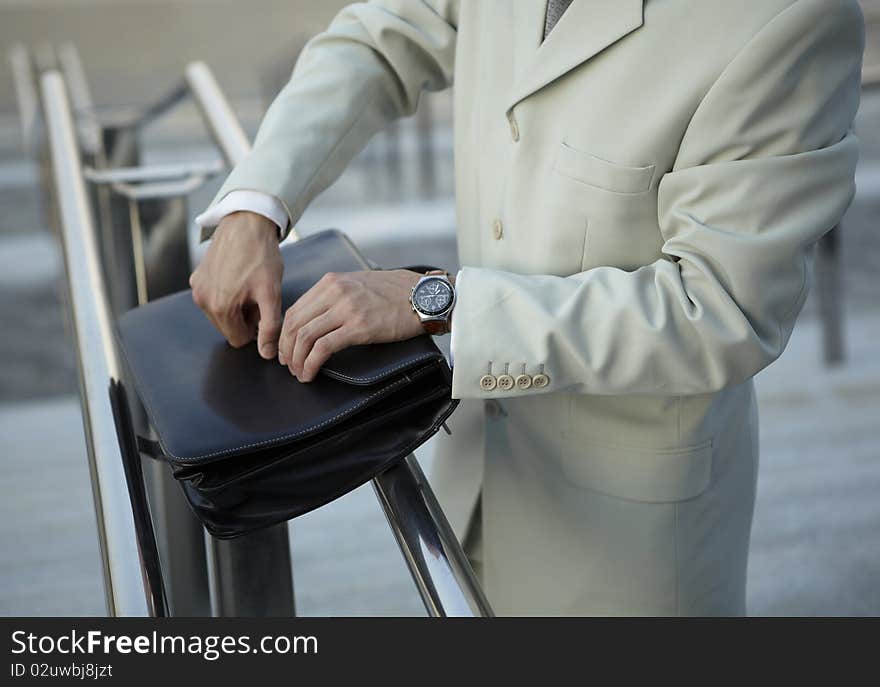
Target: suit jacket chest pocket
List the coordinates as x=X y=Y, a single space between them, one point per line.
x=614 y=205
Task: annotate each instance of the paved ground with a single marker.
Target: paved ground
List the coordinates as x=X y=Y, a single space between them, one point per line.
x=815 y=541
x=816 y=548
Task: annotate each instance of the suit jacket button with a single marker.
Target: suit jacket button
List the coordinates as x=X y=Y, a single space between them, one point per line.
x=540 y=381
x=488 y=382
x=505 y=382
x=497 y=230
x=523 y=381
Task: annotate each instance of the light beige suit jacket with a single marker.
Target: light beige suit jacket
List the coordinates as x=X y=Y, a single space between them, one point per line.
x=638 y=198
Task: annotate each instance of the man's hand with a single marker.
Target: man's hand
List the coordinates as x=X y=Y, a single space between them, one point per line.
x=238 y=283
x=344 y=309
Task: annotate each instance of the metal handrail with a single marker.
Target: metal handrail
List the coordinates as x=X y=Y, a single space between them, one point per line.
x=25 y=93
x=217 y=113
x=430 y=549
x=439 y=568
x=80 y=95
x=153 y=172
x=130 y=590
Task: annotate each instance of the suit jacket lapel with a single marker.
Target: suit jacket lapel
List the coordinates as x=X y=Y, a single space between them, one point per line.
x=586 y=28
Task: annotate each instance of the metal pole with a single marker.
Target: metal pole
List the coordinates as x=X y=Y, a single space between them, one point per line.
x=425 y=149
x=244 y=574
x=829 y=285
x=25 y=93
x=436 y=560
x=217 y=113
x=392 y=158
x=80 y=98
x=33 y=139
x=130 y=589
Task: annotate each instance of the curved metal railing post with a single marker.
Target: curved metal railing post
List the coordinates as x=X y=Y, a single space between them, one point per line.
x=129 y=589
x=440 y=570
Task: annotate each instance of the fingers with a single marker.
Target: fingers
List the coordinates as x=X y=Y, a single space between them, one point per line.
x=297 y=316
x=304 y=338
x=312 y=304
x=199 y=299
x=227 y=317
x=269 y=328
x=322 y=349
x=239 y=289
x=233 y=325
x=255 y=311
x=238 y=282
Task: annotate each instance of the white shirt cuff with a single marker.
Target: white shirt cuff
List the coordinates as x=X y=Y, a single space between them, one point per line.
x=250 y=201
x=454 y=328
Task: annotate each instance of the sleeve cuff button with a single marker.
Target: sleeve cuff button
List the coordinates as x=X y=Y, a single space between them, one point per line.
x=488 y=382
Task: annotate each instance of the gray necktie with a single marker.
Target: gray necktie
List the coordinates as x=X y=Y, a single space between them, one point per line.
x=555 y=9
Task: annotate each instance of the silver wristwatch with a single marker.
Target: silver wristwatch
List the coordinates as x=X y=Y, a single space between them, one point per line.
x=432 y=299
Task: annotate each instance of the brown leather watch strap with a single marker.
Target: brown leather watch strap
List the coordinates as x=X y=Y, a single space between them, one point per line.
x=436 y=327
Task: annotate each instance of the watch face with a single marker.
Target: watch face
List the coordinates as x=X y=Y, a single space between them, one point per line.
x=432 y=296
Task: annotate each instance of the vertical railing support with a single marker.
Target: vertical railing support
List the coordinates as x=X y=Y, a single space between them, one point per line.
x=829 y=287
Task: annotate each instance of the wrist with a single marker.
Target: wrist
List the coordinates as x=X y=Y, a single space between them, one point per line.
x=245 y=221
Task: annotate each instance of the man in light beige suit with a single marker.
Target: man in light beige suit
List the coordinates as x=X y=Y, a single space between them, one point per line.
x=640 y=185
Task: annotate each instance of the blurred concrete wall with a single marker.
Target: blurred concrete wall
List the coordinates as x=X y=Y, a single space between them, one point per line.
x=133 y=49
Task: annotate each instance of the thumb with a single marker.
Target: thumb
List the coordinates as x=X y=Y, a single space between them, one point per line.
x=269 y=328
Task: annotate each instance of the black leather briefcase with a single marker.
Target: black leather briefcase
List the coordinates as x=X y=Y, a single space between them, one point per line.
x=249 y=444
